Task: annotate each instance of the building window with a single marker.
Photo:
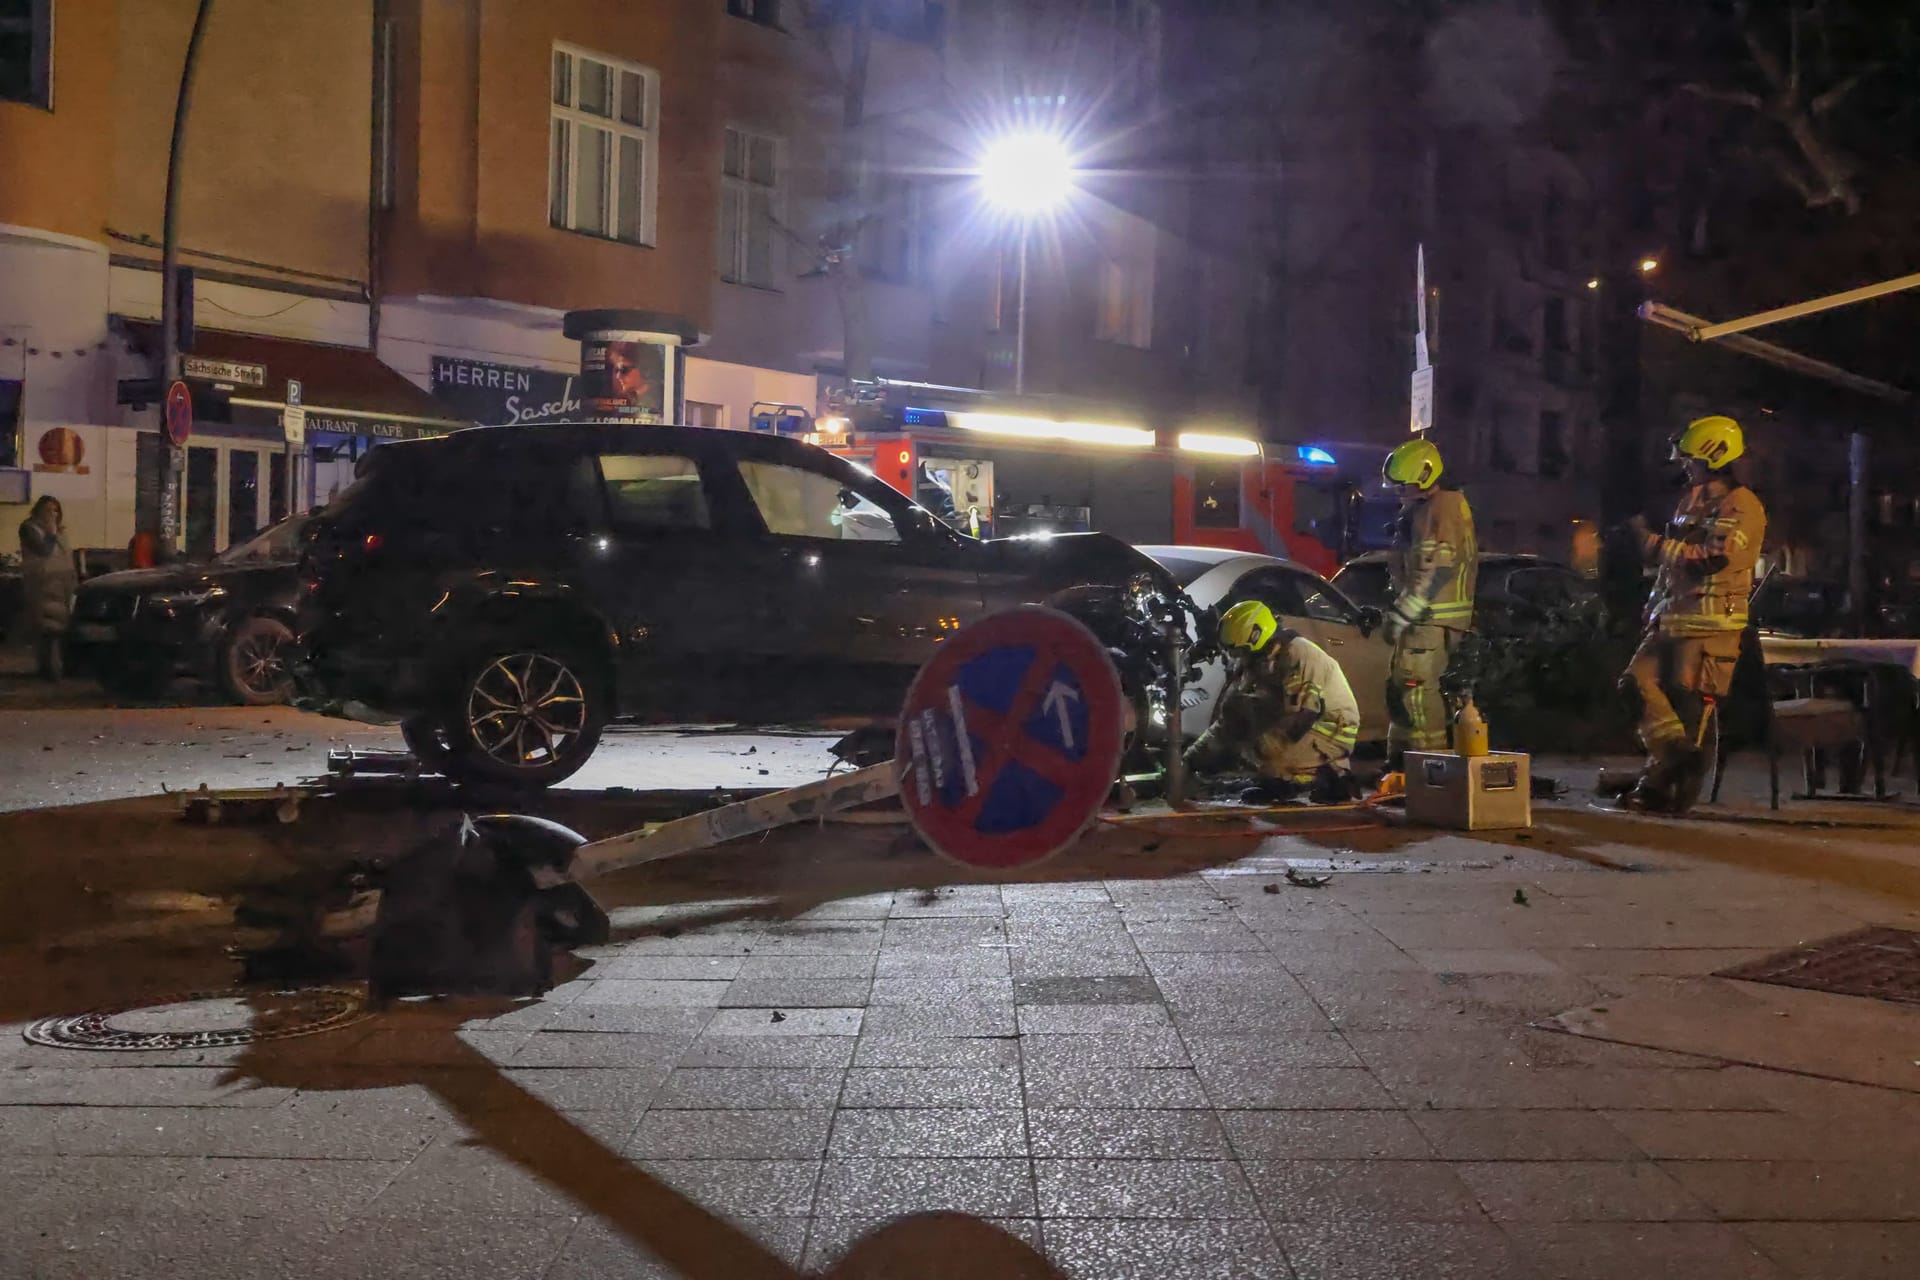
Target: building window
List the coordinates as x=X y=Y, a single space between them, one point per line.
x=702 y=414
x=26 y=52
x=1553 y=229
x=1124 y=312
x=1509 y=450
x=1556 y=459
x=1554 y=322
x=604 y=148
x=764 y=12
x=749 y=208
x=893 y=249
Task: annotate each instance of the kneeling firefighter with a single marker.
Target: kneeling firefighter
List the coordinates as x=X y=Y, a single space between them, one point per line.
x=1434 y=566
x=1286 y=712
x=1696 y=612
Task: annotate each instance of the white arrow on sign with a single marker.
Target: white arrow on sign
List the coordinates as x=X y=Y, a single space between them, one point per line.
x=1058 y=695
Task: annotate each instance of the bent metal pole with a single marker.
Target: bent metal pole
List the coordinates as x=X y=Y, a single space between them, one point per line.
x=169 y=514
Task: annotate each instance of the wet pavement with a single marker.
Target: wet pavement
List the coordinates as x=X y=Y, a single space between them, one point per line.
x=1154 y=1056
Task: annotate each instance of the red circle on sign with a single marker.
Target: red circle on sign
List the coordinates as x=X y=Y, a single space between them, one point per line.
x=179 y=412
x=1010 y=739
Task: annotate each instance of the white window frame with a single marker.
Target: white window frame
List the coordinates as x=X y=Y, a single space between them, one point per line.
x=647 y=134
x=734 y=256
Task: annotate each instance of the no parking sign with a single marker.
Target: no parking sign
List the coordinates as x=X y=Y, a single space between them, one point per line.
x=1010 y=739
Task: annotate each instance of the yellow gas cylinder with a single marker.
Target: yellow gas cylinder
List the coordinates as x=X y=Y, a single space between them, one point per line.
x=1469 y=731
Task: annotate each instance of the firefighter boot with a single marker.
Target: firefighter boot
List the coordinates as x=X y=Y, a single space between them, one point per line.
x=1658 y=790
x=1333 y=786
x=1272 y=791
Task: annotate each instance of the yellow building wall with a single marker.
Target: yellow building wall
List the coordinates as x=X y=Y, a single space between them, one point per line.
x=54 y=172
x=278 y=149
x=471 y=216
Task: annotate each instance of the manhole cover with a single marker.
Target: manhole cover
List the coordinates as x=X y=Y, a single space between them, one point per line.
x=205 y=1021
x=1878 y=963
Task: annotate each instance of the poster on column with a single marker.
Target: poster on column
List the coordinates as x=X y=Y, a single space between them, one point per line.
x=623 y=377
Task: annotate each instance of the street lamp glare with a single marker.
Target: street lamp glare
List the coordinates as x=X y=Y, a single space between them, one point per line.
x=1027 y=173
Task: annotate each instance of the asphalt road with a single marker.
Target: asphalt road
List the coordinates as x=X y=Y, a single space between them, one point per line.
x=87 y=754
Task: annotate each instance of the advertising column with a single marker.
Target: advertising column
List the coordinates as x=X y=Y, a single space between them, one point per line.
x=631 y=364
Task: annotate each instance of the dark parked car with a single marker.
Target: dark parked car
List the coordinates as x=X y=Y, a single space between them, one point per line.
x=228 y=620
x=1513 y=594
x=505 y=592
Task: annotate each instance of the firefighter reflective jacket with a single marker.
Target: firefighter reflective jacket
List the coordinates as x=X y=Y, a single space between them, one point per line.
x=1435 y=561
x=1706 y=558
x=1290 y=688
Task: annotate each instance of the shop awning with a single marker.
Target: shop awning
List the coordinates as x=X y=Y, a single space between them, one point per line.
x=346 y=390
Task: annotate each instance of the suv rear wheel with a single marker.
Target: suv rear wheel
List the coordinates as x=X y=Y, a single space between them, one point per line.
x=526 y=714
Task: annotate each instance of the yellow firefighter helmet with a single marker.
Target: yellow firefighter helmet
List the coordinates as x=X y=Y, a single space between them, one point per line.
x=1715 y=441
x=1416 y=463
x=1248 y=625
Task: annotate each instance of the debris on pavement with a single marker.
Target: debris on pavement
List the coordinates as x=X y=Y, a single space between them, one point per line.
x=1520 y=898
x=1295 y=877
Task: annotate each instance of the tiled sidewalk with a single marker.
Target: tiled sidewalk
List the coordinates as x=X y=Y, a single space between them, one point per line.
x=1211 y=1075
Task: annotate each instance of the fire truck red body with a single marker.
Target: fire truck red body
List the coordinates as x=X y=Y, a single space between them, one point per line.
x=1002 y=474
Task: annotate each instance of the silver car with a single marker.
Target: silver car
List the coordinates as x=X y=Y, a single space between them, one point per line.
x=1303 y=601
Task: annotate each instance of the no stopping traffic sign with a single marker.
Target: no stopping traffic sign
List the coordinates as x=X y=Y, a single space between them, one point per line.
x=1010 y=738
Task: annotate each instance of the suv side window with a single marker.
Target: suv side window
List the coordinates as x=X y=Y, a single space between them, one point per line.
x=1274 y=588
x=798 y=503
x=655 y=491
x=1321 y=603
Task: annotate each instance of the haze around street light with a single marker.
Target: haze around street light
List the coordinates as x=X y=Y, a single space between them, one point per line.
x=1026 y=174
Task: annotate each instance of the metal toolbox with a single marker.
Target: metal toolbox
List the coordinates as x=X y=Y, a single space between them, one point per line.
x=1469 y=793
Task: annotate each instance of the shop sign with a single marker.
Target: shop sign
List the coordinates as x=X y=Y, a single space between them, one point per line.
x=377 y=428
x=494 y=395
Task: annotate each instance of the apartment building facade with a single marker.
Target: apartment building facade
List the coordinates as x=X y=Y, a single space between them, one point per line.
x=396 y=203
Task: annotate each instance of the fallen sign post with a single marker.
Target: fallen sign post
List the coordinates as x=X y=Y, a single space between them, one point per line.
x=1009 y=742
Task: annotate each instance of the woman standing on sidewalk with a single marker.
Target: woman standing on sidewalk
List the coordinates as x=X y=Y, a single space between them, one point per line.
x=49 y=580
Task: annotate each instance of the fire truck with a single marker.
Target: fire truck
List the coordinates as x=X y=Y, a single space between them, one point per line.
x=994 y=467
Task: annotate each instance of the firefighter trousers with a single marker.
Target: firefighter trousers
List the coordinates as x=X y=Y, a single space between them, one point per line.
x=1670 y=669
x=1414 y=702
x=1301 y=759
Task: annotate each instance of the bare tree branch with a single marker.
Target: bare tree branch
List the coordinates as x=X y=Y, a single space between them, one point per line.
x=1793 y=50
x=1826 y=102
x=1736 y=97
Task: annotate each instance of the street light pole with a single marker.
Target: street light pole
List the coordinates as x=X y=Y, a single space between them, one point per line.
x=1027 y=176
x=1020 y=318
x=170 y=285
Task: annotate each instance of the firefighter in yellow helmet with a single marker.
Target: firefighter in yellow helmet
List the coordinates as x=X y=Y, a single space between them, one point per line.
x=1433 y=567
x=1286 y=712
x=1704 y=562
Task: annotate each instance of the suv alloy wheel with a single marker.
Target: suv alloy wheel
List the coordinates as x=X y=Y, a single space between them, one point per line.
x=526 y=714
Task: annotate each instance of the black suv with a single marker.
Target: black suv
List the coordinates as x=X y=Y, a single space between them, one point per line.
x=505 y=592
